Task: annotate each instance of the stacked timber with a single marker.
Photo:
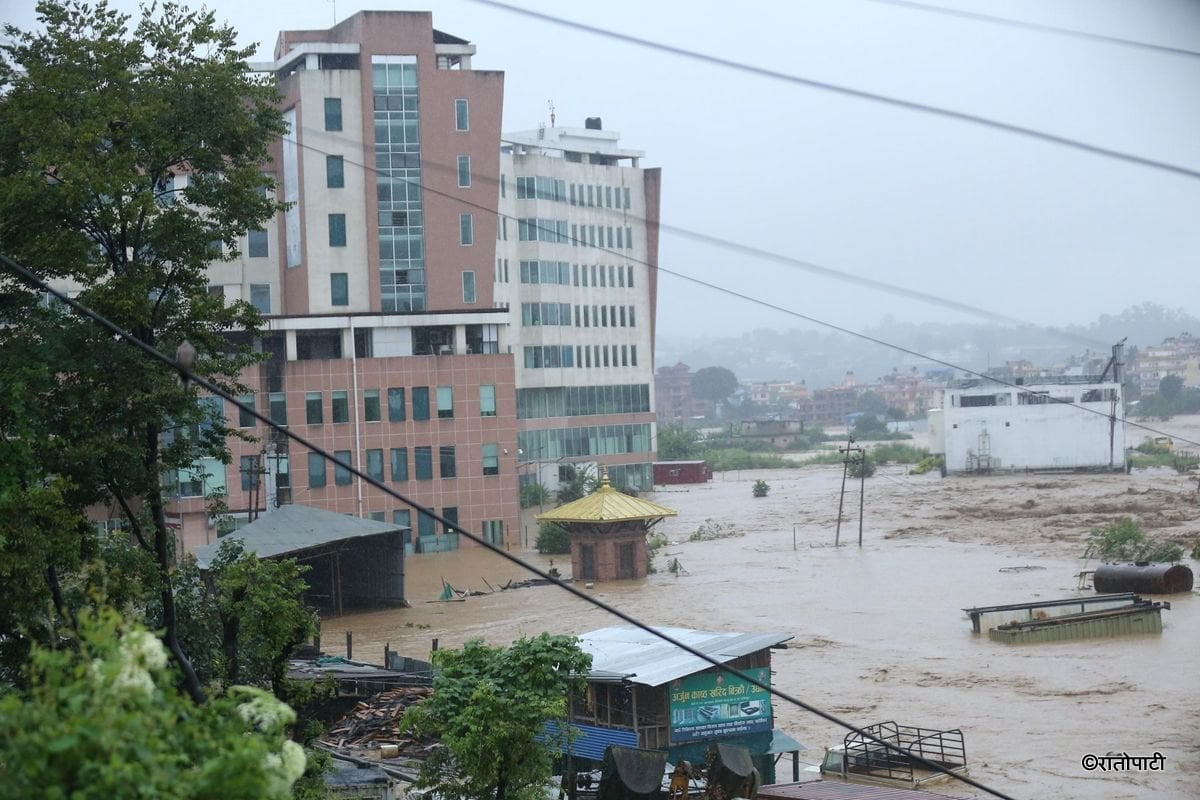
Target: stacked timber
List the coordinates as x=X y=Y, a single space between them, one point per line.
x=377 y=721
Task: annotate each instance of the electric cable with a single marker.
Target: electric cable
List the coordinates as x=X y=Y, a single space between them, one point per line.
x=187 y=374
x=1037 y=26
x=861 y=94
x=764 y=303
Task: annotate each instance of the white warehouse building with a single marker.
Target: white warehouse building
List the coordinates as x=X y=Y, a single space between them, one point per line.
x=986 y=425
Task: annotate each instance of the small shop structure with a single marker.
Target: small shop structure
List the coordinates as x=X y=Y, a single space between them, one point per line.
x=645 y=692
x=608 y=532
x=667 y=473
x=356 y=563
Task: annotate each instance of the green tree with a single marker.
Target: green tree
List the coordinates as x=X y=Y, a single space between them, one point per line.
x=715 y=384
x=1170 y=387
x=104 y=719
x=575 y=482
x=552 y=539
x=870 y=402
x=488 y=709
x=103 y=122
x=1124 y=540
x=677 y=443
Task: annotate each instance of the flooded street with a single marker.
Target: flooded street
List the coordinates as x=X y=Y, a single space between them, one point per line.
x=879 y=631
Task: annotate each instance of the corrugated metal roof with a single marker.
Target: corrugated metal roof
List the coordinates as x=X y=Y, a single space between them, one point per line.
x=606 y=504
x=648 y=660
x=292 y=528
x=829 y=790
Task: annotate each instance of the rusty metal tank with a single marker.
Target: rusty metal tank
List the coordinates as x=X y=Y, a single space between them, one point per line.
x=1143 y=576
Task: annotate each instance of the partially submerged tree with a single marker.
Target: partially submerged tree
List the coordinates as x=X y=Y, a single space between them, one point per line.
x=130 y=157
x=715 y=384
x=489 y=708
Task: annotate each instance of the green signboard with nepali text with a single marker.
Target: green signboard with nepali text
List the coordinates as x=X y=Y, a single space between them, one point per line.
x=716 y=704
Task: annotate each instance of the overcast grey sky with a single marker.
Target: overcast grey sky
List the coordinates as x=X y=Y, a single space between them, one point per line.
x=1025 y=228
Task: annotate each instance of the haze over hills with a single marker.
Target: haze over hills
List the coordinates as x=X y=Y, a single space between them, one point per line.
x=822 y=357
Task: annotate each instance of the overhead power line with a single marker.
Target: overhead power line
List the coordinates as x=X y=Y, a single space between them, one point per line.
x=1041 y=28
x=188 y=375
x=773 y=306
x=861 y=94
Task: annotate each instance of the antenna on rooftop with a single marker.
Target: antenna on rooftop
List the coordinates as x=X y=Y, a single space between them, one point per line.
x=550 y=103
x=334 y=11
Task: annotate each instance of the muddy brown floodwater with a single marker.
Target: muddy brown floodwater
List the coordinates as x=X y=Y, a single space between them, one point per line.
x=879 y=631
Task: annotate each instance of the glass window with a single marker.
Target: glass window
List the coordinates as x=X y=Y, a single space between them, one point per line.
x=403 y=517
x=425 y=524
x=420 y=402
x=446 y=463
x=464 y=172
x=423 y=463
x=487 y=400
x=445 y=402
x=375 y=464
x=337 y=230
x=278 y=407
x=627 y=197
x=395 y=405
x=339 y=289
x=333 y=113
x=491 y=459
x=466 y=229
x=316 y=470
x=335 y=172
x=260 y=297
x=399 y=463
x=371 y=411
x=341 y=467
x=257 y=244
x=462 y=118
x=312 y=408
x=450 y=515
x=248 y=467
x=341 y=407
x=245 y=418
x=468 y=286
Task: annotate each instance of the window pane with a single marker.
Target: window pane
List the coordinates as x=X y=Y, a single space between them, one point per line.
x=464 y=171
x=375 y=464
x=278 y=407
x=468 y=284
x=445 y=402
x=337 y=230
x=371 y=405
x=395 y=405
x=341 y=407
x=257 y=244
x=312 y=408
x=423 y=463
x=424 y=524
x=446 y=462
x=333 y=113
x=420 y=402
x=491 y=459
x=260 y=297
x=341 y=474
x=399 y=463
x=487 y=400
x=466 y=229
x=316 y=470
x=450 y=514
x=245 y=418
x=462 y=119
x=339 y=289
x=335 y=172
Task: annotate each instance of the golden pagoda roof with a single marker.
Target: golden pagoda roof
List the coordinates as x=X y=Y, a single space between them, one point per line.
x=606 y=504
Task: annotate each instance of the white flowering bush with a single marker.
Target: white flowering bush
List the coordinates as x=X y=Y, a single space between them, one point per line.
x=105 y=719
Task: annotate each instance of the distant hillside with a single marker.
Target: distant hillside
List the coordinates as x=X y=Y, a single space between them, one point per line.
x=823 y=358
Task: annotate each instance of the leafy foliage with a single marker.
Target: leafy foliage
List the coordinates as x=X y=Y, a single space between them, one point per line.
x=576 y=482
x=677 y=443
x=862 y=467
x=552 y=539
x=104 y=719
x=104 y=121
x=488 y=708
x=714 y=384
x=534 y=494
x=711 y=529
x=732 y=458
x=1124 y=540
x=760 y=488
x=896 y=453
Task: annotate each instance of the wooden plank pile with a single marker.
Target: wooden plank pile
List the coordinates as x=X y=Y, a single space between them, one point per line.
x=377 y=720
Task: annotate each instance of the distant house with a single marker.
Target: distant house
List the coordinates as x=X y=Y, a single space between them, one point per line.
x=779 y=433
x=1066 y=424
x=672 y=472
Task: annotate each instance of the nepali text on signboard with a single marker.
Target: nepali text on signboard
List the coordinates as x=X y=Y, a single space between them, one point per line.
x=717 y=704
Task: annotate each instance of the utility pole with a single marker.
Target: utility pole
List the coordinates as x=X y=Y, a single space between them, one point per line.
x=847 y=459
